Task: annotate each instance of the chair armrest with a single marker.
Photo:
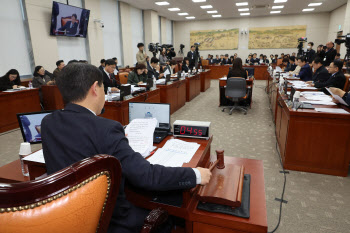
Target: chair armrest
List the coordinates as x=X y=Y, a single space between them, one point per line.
x=155 y=218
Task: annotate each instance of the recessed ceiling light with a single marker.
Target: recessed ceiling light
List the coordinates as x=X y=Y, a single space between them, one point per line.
x=315 y=4
x=190 y=17
x=277 y=7
x=308 y=9
x=216 y=16
x=212 y=12
x=243 y=9
x=173 y=9
x=275 y=12
x=199 y=0
x=245 y=14
x=162 y=3
x=242 y=4
x=206 y=6
x=280 y=1
x=184 y=13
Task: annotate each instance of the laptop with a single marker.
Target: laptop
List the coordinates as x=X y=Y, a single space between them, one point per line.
x=125 y=90
x=153 y=110
x=167 y=78
x=30 y=125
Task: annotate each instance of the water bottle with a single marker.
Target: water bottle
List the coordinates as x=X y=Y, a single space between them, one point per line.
x=109 y=94
x=296 y=100
x=30 y=85
x=201 y=69
x=154 y=82
x=24 y=150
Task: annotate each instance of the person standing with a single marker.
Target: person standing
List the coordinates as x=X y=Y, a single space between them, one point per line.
x=141 y=56
x=192 y=56
x=330 y=54
x=310 y=54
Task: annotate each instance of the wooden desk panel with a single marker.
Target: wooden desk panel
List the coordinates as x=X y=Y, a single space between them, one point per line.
x=12 y=173
x=204 y=221
x=52 y=98
x=217 y=71
x=12 y=103
x=193 y=85
x=173 y=94
x=205 y=80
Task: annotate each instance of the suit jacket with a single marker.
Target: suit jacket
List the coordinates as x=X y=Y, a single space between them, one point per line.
x=56 y=72
x=216 y=61
x=5 y=83
x=346 y=98
x=305 y=73
x=40 y=81
x=310 y=55
x=330 y=55
x=336 y=80
x=151 y=72
x=193 y=57
x=85 y=135
x=321 y=75
x=101 y=68
x=109 y=82
x=70 y=30
x=256 y=60
x=141 y=58
x=185 y=68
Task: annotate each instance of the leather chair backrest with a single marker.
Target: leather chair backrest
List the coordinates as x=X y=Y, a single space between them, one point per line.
x=235 y=87
x=205 y=62
x=64 y=20
x=347 y=83
x=80 y=198
x=279 y=61
x=123 y=77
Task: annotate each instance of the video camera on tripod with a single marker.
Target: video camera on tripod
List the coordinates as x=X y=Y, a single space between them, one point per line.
x=156 y=47
x=301 y=46
x=347 y=45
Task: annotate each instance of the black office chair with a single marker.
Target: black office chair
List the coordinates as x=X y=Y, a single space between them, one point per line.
x=236 y=91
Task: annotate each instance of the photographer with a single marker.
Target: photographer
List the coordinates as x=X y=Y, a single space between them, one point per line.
x=170 y=53
x=163 y=58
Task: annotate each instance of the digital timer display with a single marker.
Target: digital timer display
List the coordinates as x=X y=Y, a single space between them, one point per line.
x=196 y=131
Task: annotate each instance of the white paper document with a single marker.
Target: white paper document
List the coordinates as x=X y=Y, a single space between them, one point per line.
x=318 y=102
x=337 y=97
x=223 y=78
x=331 y=110
x=36 y=157
x=140 y=135
x=174 y=153
x=160 y=81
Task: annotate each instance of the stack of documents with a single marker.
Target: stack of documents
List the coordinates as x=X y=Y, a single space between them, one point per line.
x=301 y=85
x=160 y=81
x=331 y=110
x=115 y=96
x=37 y=156
x=140 y=134
x=174 y=153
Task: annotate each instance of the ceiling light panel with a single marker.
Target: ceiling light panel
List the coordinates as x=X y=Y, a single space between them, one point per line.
x=242 y=4
x=207 y=7
x=243 y=9
x=173 y=9
x=162 y=3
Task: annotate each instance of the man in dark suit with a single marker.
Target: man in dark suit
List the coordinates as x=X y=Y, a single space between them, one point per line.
x=192 y=56
x=310 y=54
x=186 y=65
x=255 y=60
x=217 y=59
x=305 y=73
x=337 y=78
x=108 y=76
x=154 y=69
x=71 y=26
x=321 y=74
x=330 y=54
x=102 y=64
x=76 y=133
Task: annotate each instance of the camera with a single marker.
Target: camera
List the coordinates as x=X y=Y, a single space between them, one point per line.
x=302 y=39
x=197 y=44
x=301 y=46
x=182 y=46
x=346 y=40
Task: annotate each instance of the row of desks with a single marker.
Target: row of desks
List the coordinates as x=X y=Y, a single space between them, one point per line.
x=260 y=71
x=308 y=140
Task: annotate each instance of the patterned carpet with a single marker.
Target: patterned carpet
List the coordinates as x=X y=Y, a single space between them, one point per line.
x=316 y=203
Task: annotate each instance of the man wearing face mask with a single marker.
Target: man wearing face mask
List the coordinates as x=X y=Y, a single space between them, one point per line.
x=310 y=54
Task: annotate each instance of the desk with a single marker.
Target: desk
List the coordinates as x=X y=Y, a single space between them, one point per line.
x=260 y=71
x=119 y=110
x=205 y=80
x=173 y=94
x=12 y=103
x=52 y=98
x=226 y=102
x=193 y=87
x=313 y=141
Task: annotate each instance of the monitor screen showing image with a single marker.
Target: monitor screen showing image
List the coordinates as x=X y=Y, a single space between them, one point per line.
x=69 y=20
x=151 y=110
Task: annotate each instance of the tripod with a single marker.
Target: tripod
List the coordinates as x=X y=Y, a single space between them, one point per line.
x=347 y=60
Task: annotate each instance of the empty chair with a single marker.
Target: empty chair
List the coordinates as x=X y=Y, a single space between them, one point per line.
x=123 y=77
x=236 y=90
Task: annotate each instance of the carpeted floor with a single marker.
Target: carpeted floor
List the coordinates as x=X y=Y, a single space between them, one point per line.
x=316 y=203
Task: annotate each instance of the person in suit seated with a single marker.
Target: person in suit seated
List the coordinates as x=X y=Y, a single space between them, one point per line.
x=186 y=65
x=265 y=60
x=282 y=56
x=276 y=57
x=40 y=79
x=102 y=64
x=342 y=94
x=255 y=60
x=248 y=60
x=137 y=76
x=217 y=59
x=222 y=60
x=209 y=59
x=71 y=26
x=11 y=80
x=169 y=69
x=60 y=64
x=273 y=60
x=285 y=66
x=235 y=56
x=292 y=65
x=321 y=74
x=77 y=132
x=226 y=59
x=192 y=56
x=305 y=73
x=237 y=69
x=116 y=71
x=154 y=70
x=261 y=58
x=337 y=78
x=108 y=76
x=232 y=58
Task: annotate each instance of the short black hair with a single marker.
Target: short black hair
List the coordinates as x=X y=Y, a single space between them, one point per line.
x=36 y=70
x=292 y=58
x=255 y=54
x=140 y=67
x=102 y=61
x=140 y=45
x=12 y=71
x=192 y=46
x=154 y=60
x=302 y=59
x=110 y=62
x=187 y=59
x=75 y=15
x=72 y=61
x=172 y=63
x=75 y=81
x=226 y=55
x=114 y=58
x=59 y=62
x=318 y=60
x=338 y=54
x=338 y=64
x=312 y=43
x=83 y=61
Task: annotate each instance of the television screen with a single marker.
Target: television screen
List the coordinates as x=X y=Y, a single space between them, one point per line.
x=69 y=20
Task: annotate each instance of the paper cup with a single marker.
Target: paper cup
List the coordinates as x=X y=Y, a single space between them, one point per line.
x=25 y=148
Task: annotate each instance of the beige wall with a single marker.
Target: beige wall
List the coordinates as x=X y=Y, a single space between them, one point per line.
x=336 y=18
x=126 y=33
x=151 y=26
x=163 y=30
x=317 y=28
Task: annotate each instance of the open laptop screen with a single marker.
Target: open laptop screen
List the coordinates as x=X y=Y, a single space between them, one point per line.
x=30 y=124
x=151 y=110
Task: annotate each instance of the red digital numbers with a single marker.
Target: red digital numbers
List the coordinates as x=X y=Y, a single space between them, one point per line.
x=183 y=130
x=200 y=132
x=195 y=132
x=189 y=129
